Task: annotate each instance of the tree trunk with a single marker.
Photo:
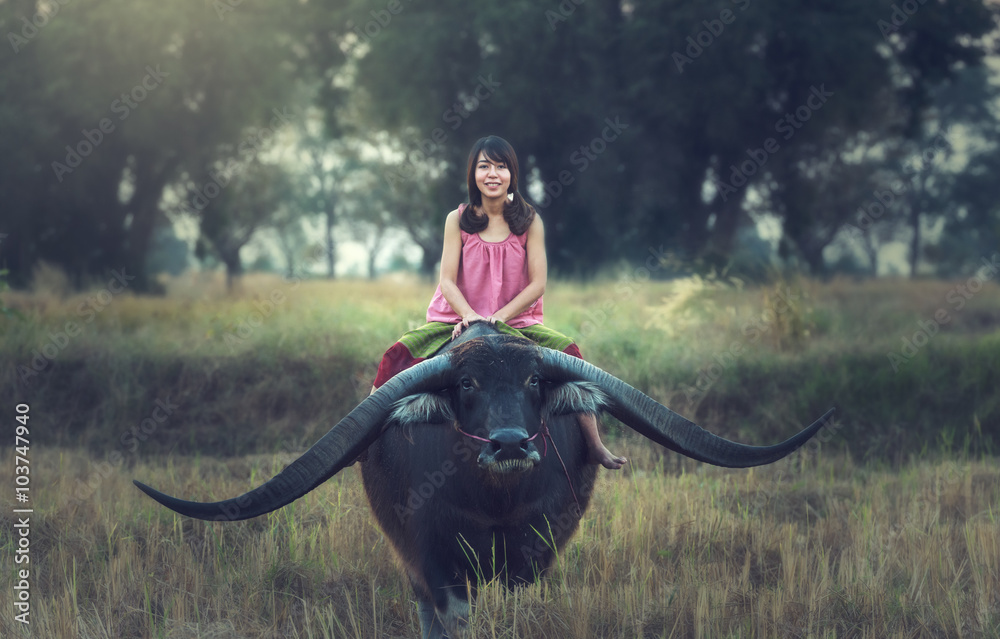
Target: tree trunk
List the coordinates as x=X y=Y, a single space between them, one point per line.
x=428 y=260
x=331 y=254
x=916 y=205
x=812 y=253
x=150 y=179
x=871 y=248
x=234 y=270
x=728 y=215
x=288 y=252
x=809 y=249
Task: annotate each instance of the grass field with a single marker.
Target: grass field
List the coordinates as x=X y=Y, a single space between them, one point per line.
x=886 y=527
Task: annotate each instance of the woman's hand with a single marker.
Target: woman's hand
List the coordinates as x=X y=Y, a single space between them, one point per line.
x=468 y=319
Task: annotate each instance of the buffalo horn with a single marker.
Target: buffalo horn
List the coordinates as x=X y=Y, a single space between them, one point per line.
x=335 y=450
x=665 y=427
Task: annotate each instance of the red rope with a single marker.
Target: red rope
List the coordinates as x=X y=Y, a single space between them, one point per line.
x=482 y=439
x=545 y=428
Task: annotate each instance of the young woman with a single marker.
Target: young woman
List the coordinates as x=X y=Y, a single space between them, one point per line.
x=493 y=268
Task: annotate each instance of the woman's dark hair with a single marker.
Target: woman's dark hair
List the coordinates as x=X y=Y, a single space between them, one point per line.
x=517 y=213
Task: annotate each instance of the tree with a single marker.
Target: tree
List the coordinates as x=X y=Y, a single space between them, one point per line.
x=124 y=99
x=440 y=76
x=648 y=125
x=318 y=189
x=288 y=226
x=249 y=203
x=964 y=196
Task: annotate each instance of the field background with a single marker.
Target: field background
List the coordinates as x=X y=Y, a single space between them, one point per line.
x=886 y=526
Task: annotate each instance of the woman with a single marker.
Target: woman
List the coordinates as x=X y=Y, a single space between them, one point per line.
x=493 y=269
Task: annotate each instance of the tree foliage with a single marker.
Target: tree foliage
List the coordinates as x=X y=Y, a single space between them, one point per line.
x=644 y=127
x=658 y=125
x=112 y=102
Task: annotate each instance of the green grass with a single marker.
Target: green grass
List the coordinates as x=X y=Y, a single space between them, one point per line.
x=886 y=526
x=739 y=361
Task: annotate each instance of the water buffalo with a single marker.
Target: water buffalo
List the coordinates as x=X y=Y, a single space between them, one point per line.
x=476 y=467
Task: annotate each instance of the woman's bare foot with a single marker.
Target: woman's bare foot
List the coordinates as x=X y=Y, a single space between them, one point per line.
x=598 y=452
x=606 y=458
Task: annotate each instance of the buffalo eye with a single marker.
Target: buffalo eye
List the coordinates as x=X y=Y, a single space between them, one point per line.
x=533 y=381
x=466 y=383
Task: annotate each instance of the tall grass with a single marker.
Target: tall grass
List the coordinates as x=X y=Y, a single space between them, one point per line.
x=815 y=547
x=746 y=363
x=886 y=527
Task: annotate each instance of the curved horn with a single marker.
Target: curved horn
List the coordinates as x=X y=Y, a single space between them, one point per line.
x=665 y=427
x=335 y=450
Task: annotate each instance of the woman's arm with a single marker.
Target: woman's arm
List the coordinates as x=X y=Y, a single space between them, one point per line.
x=451 y=256
x=537 y=274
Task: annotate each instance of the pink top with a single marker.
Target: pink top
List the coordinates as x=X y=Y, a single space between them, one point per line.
x=490 y=274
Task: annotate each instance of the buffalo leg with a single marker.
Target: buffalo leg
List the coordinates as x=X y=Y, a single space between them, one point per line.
x=455 y=615
x=444 y=624
x=442 y=608
x=430 y=625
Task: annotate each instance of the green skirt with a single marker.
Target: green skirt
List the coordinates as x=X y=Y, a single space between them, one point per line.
x=417 y=345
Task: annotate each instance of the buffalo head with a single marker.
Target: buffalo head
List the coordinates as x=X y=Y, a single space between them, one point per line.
x=498 y=398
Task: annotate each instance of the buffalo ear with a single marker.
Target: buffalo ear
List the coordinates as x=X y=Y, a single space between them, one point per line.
x=575 y=397
x=425 y=408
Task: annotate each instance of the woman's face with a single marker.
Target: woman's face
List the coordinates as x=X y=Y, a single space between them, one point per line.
x=492 y=178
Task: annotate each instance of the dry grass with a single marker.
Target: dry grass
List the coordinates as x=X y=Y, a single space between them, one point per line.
x=804 y=548
x=820 y=545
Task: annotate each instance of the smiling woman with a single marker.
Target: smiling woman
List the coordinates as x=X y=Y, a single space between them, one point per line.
x=493 y=270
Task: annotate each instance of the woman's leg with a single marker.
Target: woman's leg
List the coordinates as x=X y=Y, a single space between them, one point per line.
x=599 y=453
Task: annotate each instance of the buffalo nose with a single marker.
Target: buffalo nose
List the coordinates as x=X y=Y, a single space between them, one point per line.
x=510 y=443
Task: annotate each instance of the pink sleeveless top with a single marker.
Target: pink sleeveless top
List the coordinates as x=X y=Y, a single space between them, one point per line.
x=490 y=274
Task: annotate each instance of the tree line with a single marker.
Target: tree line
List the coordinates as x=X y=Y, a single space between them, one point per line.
x=666 y=126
